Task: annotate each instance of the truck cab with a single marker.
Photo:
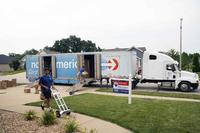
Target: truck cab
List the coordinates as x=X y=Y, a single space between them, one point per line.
x=162 y=69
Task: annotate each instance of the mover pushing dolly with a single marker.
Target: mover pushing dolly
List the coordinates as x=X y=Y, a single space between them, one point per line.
x=63 y=109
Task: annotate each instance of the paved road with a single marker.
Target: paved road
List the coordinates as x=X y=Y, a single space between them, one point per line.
x=21 y=77
x=148 y=97
x=154 y=87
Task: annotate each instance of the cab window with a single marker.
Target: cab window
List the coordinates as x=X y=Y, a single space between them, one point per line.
x=152 y=57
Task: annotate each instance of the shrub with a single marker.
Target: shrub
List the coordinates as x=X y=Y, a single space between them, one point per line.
x=93 y=130
x=71 y=125
x=49 y=118
x=84 y=130
x=30 y=115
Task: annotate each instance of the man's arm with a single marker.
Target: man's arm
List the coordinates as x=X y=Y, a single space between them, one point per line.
x=43 y=86
x=52 y=85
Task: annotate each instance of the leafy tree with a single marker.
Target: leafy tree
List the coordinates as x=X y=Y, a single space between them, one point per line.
x=195 y=63
x=174 y=54
x=17 y=56
x=30 y=52
x=73 y=44
x=185 y=61
x=15 y=64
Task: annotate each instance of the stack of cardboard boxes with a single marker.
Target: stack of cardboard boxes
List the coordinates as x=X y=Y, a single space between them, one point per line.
x=8 y=83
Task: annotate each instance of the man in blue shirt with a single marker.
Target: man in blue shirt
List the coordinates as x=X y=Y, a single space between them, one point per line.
x=46 y=82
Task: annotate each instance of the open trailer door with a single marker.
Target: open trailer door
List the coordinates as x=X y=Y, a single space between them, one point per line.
x=53 y=64
x=97 y=66
x=32 y=67
x=41 y=65
x=80 y=62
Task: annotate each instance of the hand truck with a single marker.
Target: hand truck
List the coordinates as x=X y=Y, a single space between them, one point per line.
x=63 y=109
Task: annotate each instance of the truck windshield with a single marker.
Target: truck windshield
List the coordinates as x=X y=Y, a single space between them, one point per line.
x=176 y=67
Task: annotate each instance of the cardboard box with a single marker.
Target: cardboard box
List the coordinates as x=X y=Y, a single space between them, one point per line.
x=27 y=90
x=9 y=83
x=14 y=82
x=3 y=85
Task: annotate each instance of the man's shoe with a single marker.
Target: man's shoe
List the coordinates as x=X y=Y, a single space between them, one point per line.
x=42 y=106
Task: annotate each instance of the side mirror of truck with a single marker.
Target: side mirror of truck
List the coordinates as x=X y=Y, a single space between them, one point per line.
x=169 y=67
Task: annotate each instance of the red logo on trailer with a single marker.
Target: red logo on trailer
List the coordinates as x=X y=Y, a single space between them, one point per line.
x=114 y=64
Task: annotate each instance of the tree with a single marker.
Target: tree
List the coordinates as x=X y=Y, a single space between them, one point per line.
x=73 y=44
x=174 y=54
x=195 y=63
x=185 y=61
x=15 y=64
x=30 y=52
x=16 y=56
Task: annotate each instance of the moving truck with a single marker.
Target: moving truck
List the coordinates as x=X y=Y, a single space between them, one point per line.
x=162 y=69
x=145 y=67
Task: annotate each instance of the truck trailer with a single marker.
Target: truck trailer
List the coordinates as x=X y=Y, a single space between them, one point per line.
x=144 y=66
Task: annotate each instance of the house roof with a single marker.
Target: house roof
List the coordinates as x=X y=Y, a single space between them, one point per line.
x=4 y=59
x=142 y=49
x=46 y=51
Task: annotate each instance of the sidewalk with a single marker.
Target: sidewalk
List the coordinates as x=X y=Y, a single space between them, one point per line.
x=14 y=98
x=147 y=97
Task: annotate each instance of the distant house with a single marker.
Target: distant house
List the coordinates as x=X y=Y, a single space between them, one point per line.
x=46 y=51
x=4 y=62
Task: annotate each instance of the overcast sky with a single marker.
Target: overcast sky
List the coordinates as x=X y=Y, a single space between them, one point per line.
x=154 y=24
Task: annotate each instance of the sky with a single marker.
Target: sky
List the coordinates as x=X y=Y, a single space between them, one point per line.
x=154 y=24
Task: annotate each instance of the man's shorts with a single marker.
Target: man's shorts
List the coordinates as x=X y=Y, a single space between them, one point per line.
x=47 y=94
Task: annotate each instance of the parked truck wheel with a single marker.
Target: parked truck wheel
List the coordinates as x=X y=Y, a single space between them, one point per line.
x=185 y=86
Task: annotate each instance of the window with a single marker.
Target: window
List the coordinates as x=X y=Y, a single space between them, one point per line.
x=171 y=67
x=152 y=57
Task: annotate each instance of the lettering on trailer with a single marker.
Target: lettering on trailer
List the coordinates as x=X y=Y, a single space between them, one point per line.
x=60 y=64
x=111 y=64
x=34 y=65
x=66 y=64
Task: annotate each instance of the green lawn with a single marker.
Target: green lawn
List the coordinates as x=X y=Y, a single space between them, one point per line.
x=164 y=94
x=12 y=72
x=142 y=116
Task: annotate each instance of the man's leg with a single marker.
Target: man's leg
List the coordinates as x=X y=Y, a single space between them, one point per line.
x=43 y=99
x=48 y=103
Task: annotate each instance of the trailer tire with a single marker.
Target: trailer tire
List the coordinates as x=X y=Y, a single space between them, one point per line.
x=111 y=83
x=185 y=86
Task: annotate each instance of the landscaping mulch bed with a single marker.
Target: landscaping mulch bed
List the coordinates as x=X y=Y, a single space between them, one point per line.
x=11 y=122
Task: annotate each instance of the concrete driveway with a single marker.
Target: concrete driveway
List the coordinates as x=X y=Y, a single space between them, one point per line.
x=21 y=77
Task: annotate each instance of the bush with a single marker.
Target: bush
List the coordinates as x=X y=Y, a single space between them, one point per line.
x=93 y=130
x=84 y=130
x=15 y=64
x=49 y=118
x=71 y=126
x=30 y=115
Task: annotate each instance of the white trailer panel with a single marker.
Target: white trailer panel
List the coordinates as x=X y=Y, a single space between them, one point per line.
x=118 y=63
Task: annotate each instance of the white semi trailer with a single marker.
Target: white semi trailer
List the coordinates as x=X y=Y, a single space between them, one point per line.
x=162 y=69
x=145 y=67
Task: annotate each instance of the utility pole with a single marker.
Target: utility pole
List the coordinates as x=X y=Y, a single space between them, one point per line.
x=180 y=61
